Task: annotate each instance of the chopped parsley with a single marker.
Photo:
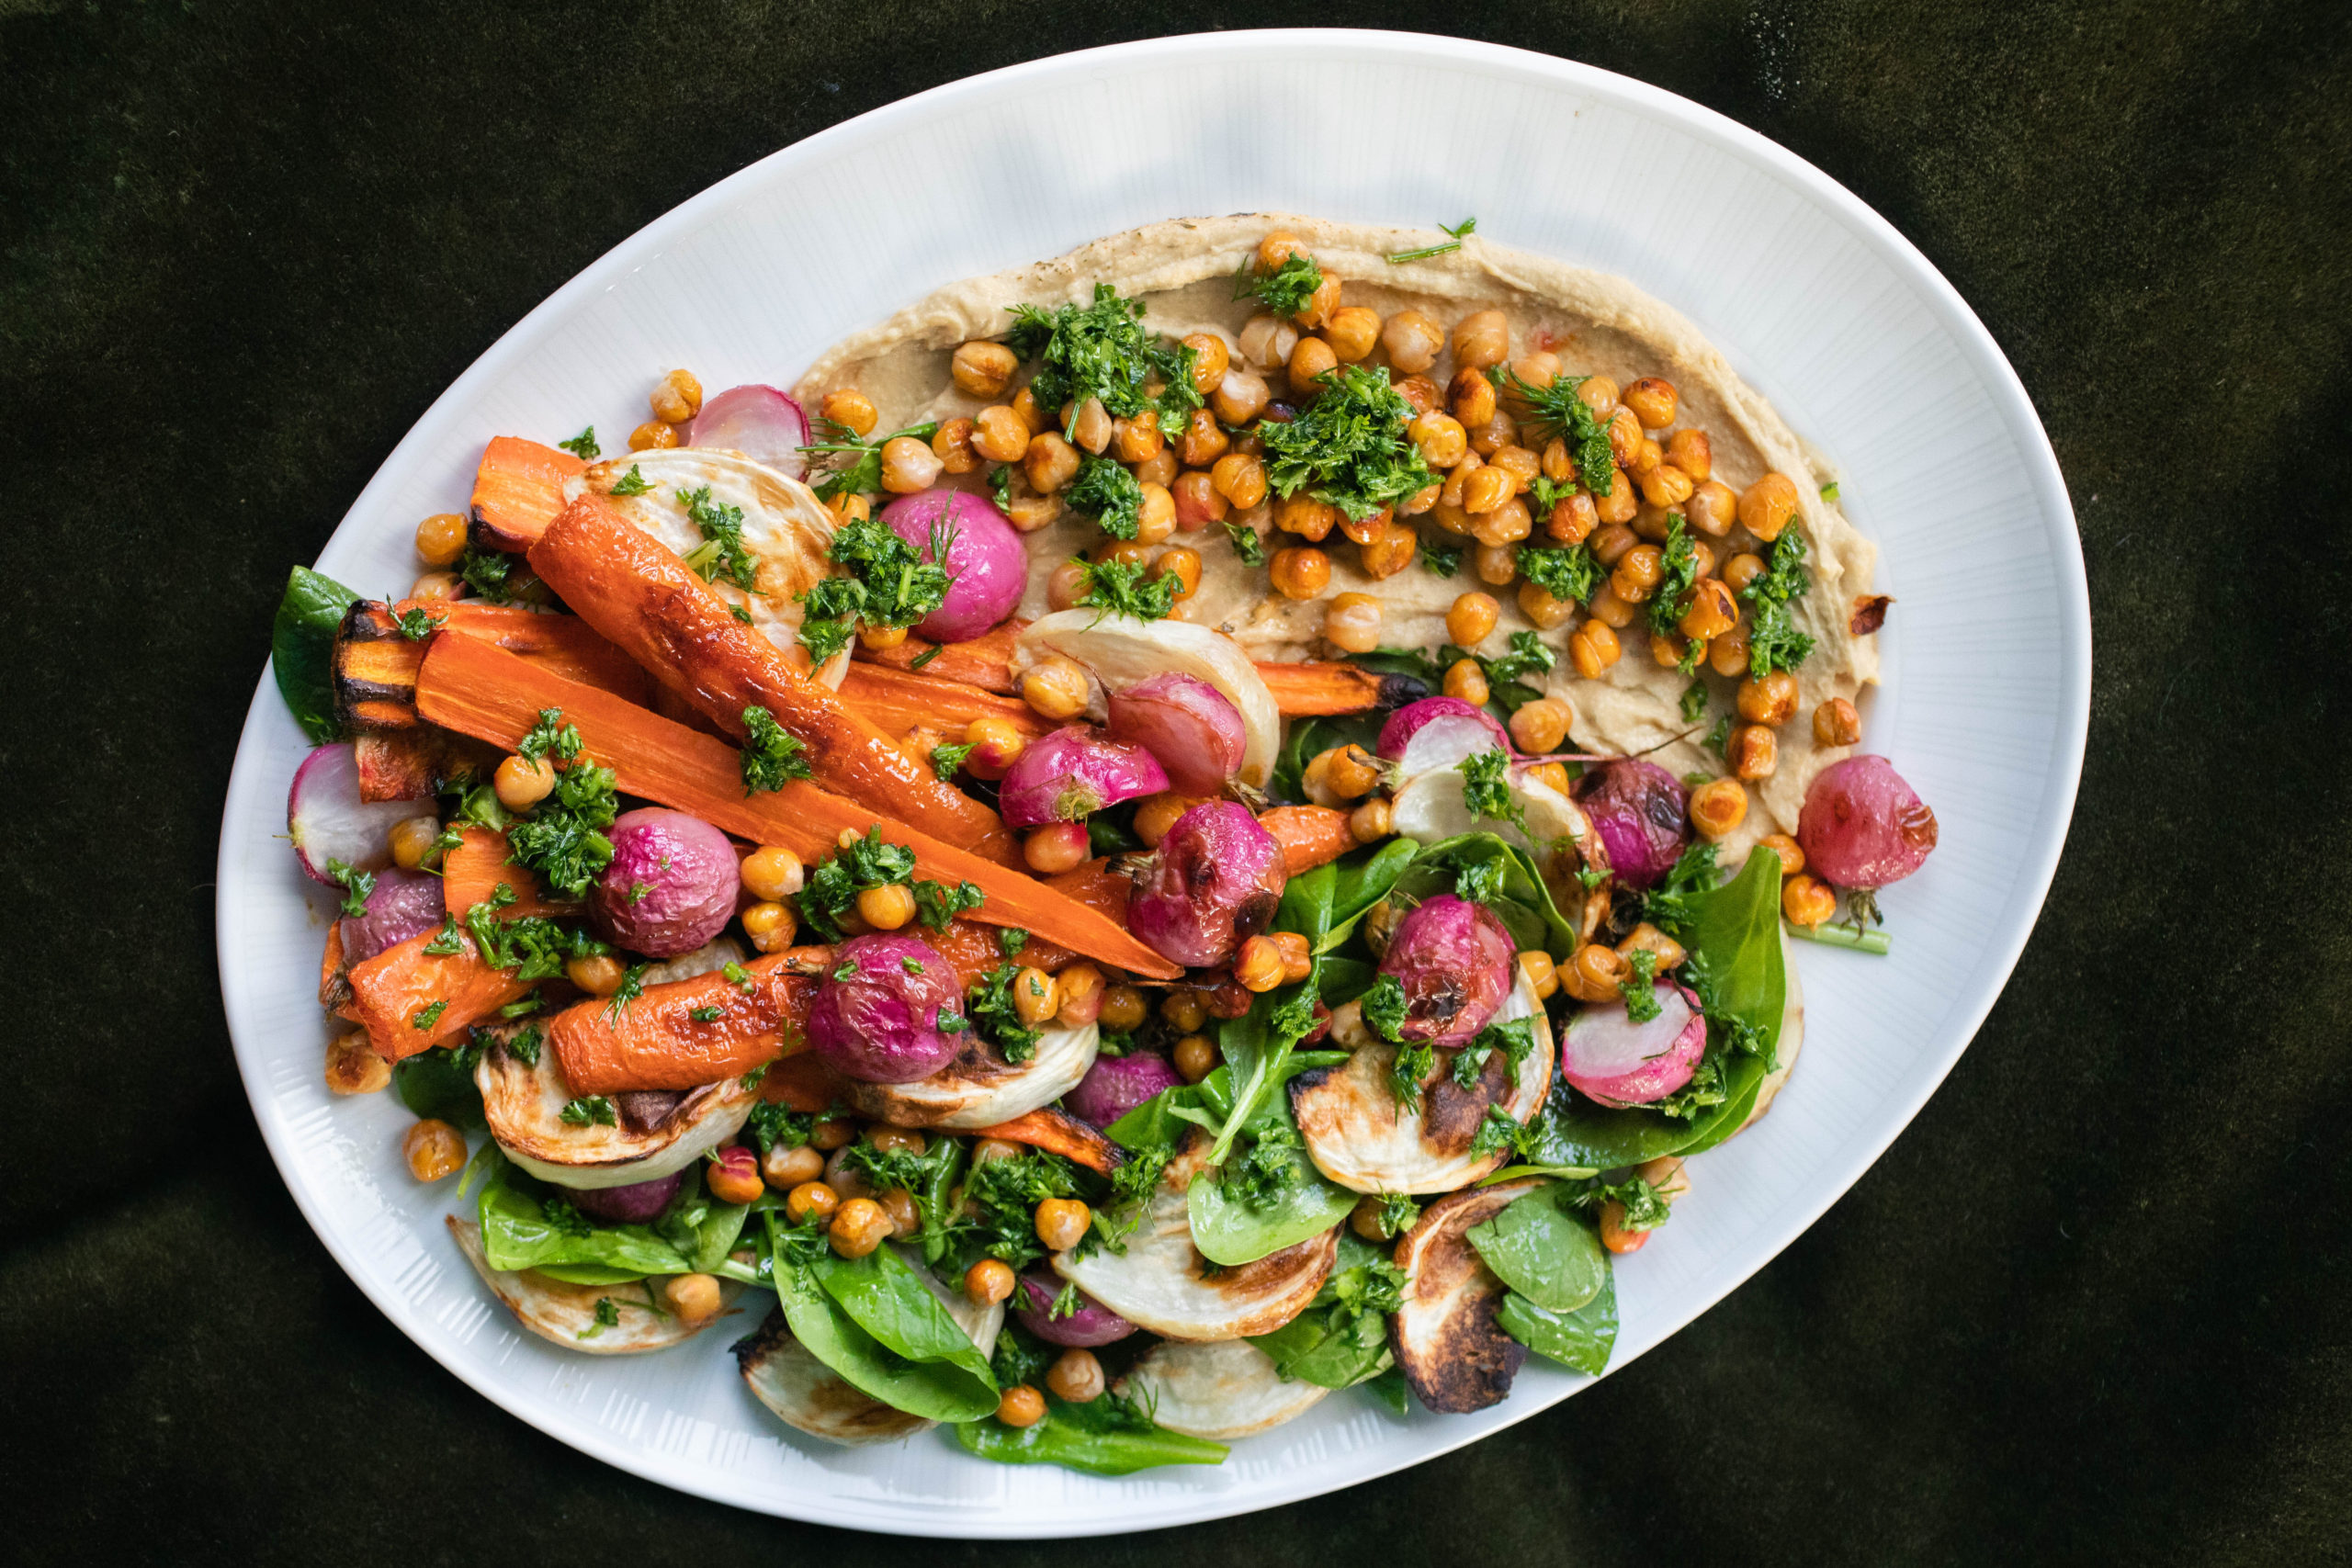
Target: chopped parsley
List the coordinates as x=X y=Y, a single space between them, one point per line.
x=1499 y=1132
x=1446 y=560
x=937 y=903
x=524 y=1044
x=721 y=552
x=1000 y=486
x=1397 y=1213
x=356 y=885
x=563 y=1217
x=1102 y=351
x=608 y=1312
x=632 y=987
x=739 y=978
x=988 y=1004
x=487 y=573
x=562 y=838
x=1347 y=447
x=1677 y=571
x=1773 y=640
x=772 y=757
x=773 y=1122
x=1479 y=882
x=1286 y=290
x=534 y=947
x=1485 y=788
x=1467 y=227
x=1000 y=1198
x=1829 y=491
x=1106 y=491
x=416 y=624
x=1122 y=588
x=582 y=445
x=447 y=940
x=1257 y=1176
x=1646 y=1207
x=853 y=466
x=1413 y=1062
x=1565 y=574
x=1515 y=1040
x=1639 y=986
x=633 y=482
x=946 y=760
x=1384 y=1008
x=589 y=1110
x=886 y=583
x=426 y=1017
x=1248 y=549
x=1718 y=740
x=1694 y=702
x=1067 y=1302
x=947 y=1020
x=1527 y=657
x=873 y=862
x=925 y=657
x=1011 y=940
x=1557 y=411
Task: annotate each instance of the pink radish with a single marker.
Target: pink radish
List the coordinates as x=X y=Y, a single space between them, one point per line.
x=1618 y=1062
x=987 y=565
x=1189 y=725
x=1074 y=773
x=327 y=820
x=1091 y=1324
x=1439 y=732
x=761 y=422
x=403 y=904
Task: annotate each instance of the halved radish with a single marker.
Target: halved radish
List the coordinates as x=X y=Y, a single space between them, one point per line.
x=1618 y=1062
x=1120 y=651
x=327 y=820
x=1439 y=732
x=765 y=424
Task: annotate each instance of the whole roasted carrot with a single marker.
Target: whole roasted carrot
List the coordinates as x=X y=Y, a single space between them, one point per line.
x=635 y=592
x=656 y=1041
x=518 y=487
x=985 y=661
x=1317 y=688
x=899 y=701
x=472 y=872
x=1309 y=835
x=375 y=661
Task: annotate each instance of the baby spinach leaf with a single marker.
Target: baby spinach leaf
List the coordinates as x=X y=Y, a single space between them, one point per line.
x=1581 y=1340
x=1361 y=880
x=1520 y=899
x=1341 y=1340
x=518 y=1232
x=1258 y=1043
x=1232 y=1229
x=1107 y=1436
x=301 y=648
x=936 y=1390
x=882 y=1295
x=439 y=1083
x=1543 y=1248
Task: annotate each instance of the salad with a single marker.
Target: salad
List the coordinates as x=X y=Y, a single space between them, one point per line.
x=1019 y=876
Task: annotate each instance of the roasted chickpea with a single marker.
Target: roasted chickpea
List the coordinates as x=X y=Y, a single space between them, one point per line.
x=1355 y=332
x=1470 y=397
x=1536 y=602
x=1807 y=901
x=859 y=1227
x=1300 y=572
x=693 y=1298
x=1536 y=370
x=1056 y=847
x=1465 y=680
x=1611 y=611
x=898 y=1204
x=1495 y=565
x=908 y=466
x=1372 y=822
x=1076 y=1377
x=1197 y=501
x=1690 y=451
x=1311 y=359
x=1485 y=490
x=1766 y=506
x=1540 y=725
x=1051 y=462
x=1061 y=1222
x=1412 y=340
x=1302 y=514
x=1156 y=814
x=1211 y=359
x=1267 y=340
x=1471 y=619
x=432 y=1149
x=653 y=436
x=1598 y=393
x=1182 y=1009
x=849 y=407
x=1666 y=486
x=1241 y=396
x=1078 y=994
x=1768 y=699
x=1138 y=440
x=1637 y=572
x=1713 y=508
x=1155 y=515
x=353 y=1066
x=1611 y=542
x=1258 y=964
x=996 y=746
x=1613 y=1234
x=1034 y=997
x=1020 y=1405
x=1649 y=455
x=998 y=435
x=599 y=974
x=1543 y=975
x=1241 y=478
x=441 y=539
x=1652 y=400
x=1159 y=469
x=1480 y=339
x=1572 y=519
x=1593 y=648
x=1315 y=310
x=1351 y=624
x=1625 y=437
x=1717 y=806
x=1506 y=524
x=1056 y=688
x=1182 y=564
x=1195 y=1057
x=1595 y=973
x=771 y=925
x=983 y=369
x=1553 y=776
x=830 y=1132
x=1520 y=464
x=1710 y=612
x=1203 y=441
x=880 y=638
x=887 y=907
x=1391 y=552
x=1368 y=1219
x=1442 y=438
x=1647 y=938
x=952 y=444
x=1024 y=406
x=1754 y=751
x=1420 y=394
x=811 y=1197
x=987 y=1281
x=1791 y=855
x=785 y=1168
x=1619 y=503
x=413 y=840
x=1123 y=1007
x=1836 y=722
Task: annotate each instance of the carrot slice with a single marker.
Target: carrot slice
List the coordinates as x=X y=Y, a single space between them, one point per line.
x=803 y=1080
x=477 y=690
x=1316 y=688
x=399 y=764
x=899 y=701
x=407 y=998
x=1059 y=1131
x=627 y=585
x=1097 y=886
x=985 y=661
x=375 y=661
x=656 y=1041
x=518 y=489
x=334 y=984
x=1309 y=835
x=472 y=873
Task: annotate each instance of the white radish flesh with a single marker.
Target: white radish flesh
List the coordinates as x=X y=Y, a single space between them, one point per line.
x=327 y=820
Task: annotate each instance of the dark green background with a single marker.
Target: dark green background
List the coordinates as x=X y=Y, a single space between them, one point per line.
x=2092 y=1307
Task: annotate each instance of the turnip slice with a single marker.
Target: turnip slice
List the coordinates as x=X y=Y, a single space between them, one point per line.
x=1618 y=1062
x=761 y=422
x=327 y=820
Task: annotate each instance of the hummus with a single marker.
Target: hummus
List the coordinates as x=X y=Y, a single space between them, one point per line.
x=1596 y=324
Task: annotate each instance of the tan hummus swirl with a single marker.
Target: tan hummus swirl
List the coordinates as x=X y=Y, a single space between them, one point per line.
x=1596 y=324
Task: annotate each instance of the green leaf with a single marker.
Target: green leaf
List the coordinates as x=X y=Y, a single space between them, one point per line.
x=1230 y=1231
x=1521 y=898
x=1361 y=880
x=937 y=1391
x=517 y=1232
x=1582 y=1339
x=881 y=1293
x=1104 y=1438
x=301 y=648
x=439 y=1084
x=1542 y=1247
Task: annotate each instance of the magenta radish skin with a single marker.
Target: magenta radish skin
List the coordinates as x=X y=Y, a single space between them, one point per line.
x=1092 y=1324
x=1642 y=815
x=1189 y=725
x=1862 y=826
x=631 y=1205
x=1216 y=878
x=765 y=424
x=987 y=565
x=1604 y=1054
x=1070 y=774
x=876 y=1015
x=327 y=820
x=671 y=886
x=1440 y=733
x=1116 y=1084
x=403 y=904
x=1455 y=961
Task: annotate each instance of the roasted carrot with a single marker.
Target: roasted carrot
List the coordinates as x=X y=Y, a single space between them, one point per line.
x=335 y=982
x=475 y=689
x=898 y=702
x=518 y=489
x=985 y=661
x=375 y=661
x=407 y=998
x=656 y=1043
x=1309 y=835
x=1097 y=886
x=1311 y=689
x=399 y=764
x=803 y=1080
x=1059 y=1131
x=973 y=949
x=472 y=873
x=635 y=592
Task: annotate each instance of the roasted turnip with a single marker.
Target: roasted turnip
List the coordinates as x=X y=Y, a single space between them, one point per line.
x=1075 y=772
x=1453 y=1353
x=876 y=1016
x=1222 y=1391
x=1189 y=725
x=987 y=564
x=328 y=821
x=570 y=1315
x=978 y=1087
x=1641 y=815
x=1116 y=1084
x=1215 y=880
x=670 y=885
x=1118 y=651
x=1455 y=960
x=1619 y=1062
x=649 y=1136
x=1092 y=1324
x=1862 y=826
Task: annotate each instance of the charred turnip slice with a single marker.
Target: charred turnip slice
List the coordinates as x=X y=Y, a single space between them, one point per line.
x=1454 y=1356
x=565 y=1314
x=524 y=1105
x=1220 y=1391
x=978 y=1087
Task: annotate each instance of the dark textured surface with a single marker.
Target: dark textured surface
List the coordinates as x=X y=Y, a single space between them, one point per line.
x=2094 y=1306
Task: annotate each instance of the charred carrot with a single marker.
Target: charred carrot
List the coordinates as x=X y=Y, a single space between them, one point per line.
x=518 y=489
x=335 y=982
x=1313 y=689
x=1309 y=835
x=634 y=591
x=475 y=689
x=472 y=873
x=399 y=764
x=407 y=998
x=1097 y=886
x=803 y=1080
x=657 y=1041
x=375 y=660
x=985 y=661
x=974 y=950
x=1062 y=1134
x=898 y=702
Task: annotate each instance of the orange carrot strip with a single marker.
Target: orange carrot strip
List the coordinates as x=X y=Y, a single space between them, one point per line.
x=397 y=993
x=804 y=1081
x=1316 y=688
x=1097 y=886
x=399 y=764
x=1309 y=835
x=631 y=588
x=985 y=661
x=472 y=873
x=899 y=701
x=475 y=689
x=375 y=661
x=655 y=1043
x=334 y=987
x=518 y=487
x=1062 y=1134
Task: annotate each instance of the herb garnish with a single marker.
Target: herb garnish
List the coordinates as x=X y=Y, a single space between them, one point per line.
x=633 y=482
x=1515 y=1040
x=888 y=584
x=1694 y=702
x=1557 y=411
x=426 y=1017
x=1565 y=574
x=632 y=987
x=946 y=760
x=1347 y=447
x=486 y=573
x=524 y=1044
x=1248 y=549
x=416 y=624
x=1286 y=290
x=1102 y=351
x=860 y=474
x=1446 y=561
x=988 y=1004
x=1639 y=986
x=721 y=552
x=1773 y=641
x=1467 y=227
x=772 y=757
x=1106 y=491
x=608 y=1314
x=1485 y=788
x=873 y=862
x=356 y=885
x=591 y=1109
x=562 y=839
x=582 y=445
x=1124 y=588
x=711 y=1014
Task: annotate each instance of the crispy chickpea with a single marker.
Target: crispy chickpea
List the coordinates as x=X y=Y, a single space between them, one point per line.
x=1766 y=506
x=1195 y=1057
x=773 y=872
x=771 y=925
x=848 y=406
x=1300 y=572
x=1637 y=572
x=1315 y=310
x=1727 y=654
x=1613 y=1234
x=353 y=1066
x=1480 y=339
x=1367 y=1221
x=1211 y=359
x=733 y=1174
x=983 y=369
x=1667 y=651
x=1350 y=772
x=1155 y=515
x=1540 y=725
x=1183 y=1011
x=858 y=1227
x=1506 y=524
x=830 y=1132
x=1076 y=1376
x=1768 y=699
x=1467 y=681
x=1520 y=464
x=1495 y=565
x=1241 y=478
x=880 y=638
x=998 y=435
x=1470 y=397
x=437 y=585
x=1122 y=1008
x=1034 y=997
x=441 y=539
x=1790 y=853
x=1485 y=489
x=1666 y=486
x=1302 y=514
x=1741 y=570
x=1717 y=806
x=1182 y=564
x=678 y=398
x=1056 y=847
x=1649 y=455
x=1690 y=451
x=1267 y=340
x=1138 y=440
x=1024 y=406
x=1240 y=397
x=1625 y=437
x=1372 y=822
x=811 y=1197
x=1652 y=522
x=1056 y=688
x=898 y=1204
x=599 y=974
x=987 y=1151
x=996 y=746
x=1807 y=901
x=1051 y=462
x=1536 y=370
x=1355 y=332
x=1258 y=964
x=1835 y=723
x=1197 y=501
x=432 y=1149
x=1598 y=393
x=413 y=840
x=1352 y=623
x=1442 y=438
x=653 y=436
x=1592 y=647
x=1754 y=751
x=1311 y=359
x=1420 y=394
x=847 y=508
x=1711 y=610
x=1572 y=519
x=1543 y=975
x=1595 y=973
x=1536 y=602
x=1412 y=340
x=1611 y=611
x=887 y=907
x=1159 y=469
x=952 y=444
x=1620 y=503
x=1611 y=542
x=1713 y=508
x=1078 y=994
x=1020 y=1405
x=1061 y=1222
x=1391 y=552
x=785 y=1168
x=1471 y=619
x=1277 y=247
x=1157 y=813
x=1553 y=776
x=908 y=466
x=1203 y=441
x=1652 y=400
x=987 y=1281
